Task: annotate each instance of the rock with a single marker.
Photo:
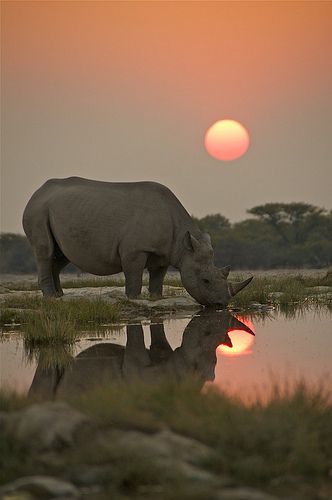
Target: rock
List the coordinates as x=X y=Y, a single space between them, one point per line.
x=39 y=486
x=88 y=475
x=44 y=426
x=163 y=445
x=243 y=494
x=178 y=455
x=170 y=303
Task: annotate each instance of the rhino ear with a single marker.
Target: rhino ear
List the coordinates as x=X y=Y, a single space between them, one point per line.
x=225 y=271
x=190 y=242
x=207 y=238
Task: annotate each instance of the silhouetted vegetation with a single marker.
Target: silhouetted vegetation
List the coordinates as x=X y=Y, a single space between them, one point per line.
x=279 y=235
x=282 y=235
x=16 y=254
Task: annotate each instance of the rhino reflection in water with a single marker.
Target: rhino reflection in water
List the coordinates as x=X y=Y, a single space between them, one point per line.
x=108 y=363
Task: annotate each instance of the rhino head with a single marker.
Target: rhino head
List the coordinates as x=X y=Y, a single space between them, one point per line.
x=205 y=282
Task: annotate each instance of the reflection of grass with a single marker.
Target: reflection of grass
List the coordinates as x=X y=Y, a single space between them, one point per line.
x=51 y=355
x=284 y=445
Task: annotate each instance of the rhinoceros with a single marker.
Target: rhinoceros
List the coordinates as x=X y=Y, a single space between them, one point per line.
x=108 y=227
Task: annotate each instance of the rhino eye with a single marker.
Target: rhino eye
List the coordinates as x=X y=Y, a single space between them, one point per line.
x=206 y=281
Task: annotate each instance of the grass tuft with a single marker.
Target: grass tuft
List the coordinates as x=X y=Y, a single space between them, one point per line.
x=49 y=326
x=294 y=291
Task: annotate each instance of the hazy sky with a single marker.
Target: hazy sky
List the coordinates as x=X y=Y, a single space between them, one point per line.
x=124 y=91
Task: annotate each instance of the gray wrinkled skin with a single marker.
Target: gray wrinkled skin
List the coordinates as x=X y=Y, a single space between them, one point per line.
x=108 y=227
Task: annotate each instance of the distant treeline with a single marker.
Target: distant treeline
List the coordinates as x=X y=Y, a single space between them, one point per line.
x=278 y=235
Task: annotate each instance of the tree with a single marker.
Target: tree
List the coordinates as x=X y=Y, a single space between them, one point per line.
x=16 y=254
x=293 y=222
x=214 y=224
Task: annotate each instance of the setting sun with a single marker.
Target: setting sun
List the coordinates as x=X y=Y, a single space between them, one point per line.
x=226 y=140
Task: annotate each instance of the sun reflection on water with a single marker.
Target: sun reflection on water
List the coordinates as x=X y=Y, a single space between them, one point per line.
x=242 y=341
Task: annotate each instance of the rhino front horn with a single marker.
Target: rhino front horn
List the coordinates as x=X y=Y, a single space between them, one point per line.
x=234 y=288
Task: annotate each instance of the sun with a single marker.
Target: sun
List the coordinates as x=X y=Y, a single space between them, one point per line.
x=227 y=140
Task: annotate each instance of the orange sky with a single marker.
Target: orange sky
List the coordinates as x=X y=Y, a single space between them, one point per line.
x=156 y=75
x=189 y=53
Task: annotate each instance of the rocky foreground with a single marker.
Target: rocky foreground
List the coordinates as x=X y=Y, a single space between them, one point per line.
x=69 y=455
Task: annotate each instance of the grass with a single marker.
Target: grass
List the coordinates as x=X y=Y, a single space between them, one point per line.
x=283 y=446
x=79 y=311
x=280 y=291
x=288 y=435
x=55 y=324
x=89 y=282
x=49 y=326
x=284 y=293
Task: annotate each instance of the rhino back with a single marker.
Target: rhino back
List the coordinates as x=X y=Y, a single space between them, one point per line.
x=95 y=222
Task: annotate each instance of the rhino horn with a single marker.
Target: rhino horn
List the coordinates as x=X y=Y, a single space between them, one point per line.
x=227 y=341
x=236 y=324
x=225 y=271
x=234 y=288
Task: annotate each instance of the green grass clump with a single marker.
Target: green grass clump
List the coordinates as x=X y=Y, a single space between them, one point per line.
x=49 y=326
x=59 y=321
x=257 y=291
x=296 y=291
x=78 y=310
x=85 y=310
x=53 y=321
x=9 y=316
x=23 y=301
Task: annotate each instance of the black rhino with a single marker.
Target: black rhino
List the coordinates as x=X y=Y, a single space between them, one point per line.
x=107 y=227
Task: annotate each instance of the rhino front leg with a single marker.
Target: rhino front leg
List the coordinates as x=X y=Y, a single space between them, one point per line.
x=133 y=266
x=160 y=350
x=156 y=281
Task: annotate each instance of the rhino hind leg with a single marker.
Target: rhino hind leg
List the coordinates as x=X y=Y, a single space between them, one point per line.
x=59 y=262
x=156 y=281
x=41 y=239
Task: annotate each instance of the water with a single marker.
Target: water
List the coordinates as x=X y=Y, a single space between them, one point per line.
x=239 y=355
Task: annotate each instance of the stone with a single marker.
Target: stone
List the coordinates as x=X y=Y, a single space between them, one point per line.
x=39 y=486
x=243 y=493
x=164 y=445
x=46 y=425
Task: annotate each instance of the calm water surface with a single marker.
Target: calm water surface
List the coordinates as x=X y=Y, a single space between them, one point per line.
x=239 y=355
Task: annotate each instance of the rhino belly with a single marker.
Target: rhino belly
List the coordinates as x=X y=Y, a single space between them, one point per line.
x=91 y=251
